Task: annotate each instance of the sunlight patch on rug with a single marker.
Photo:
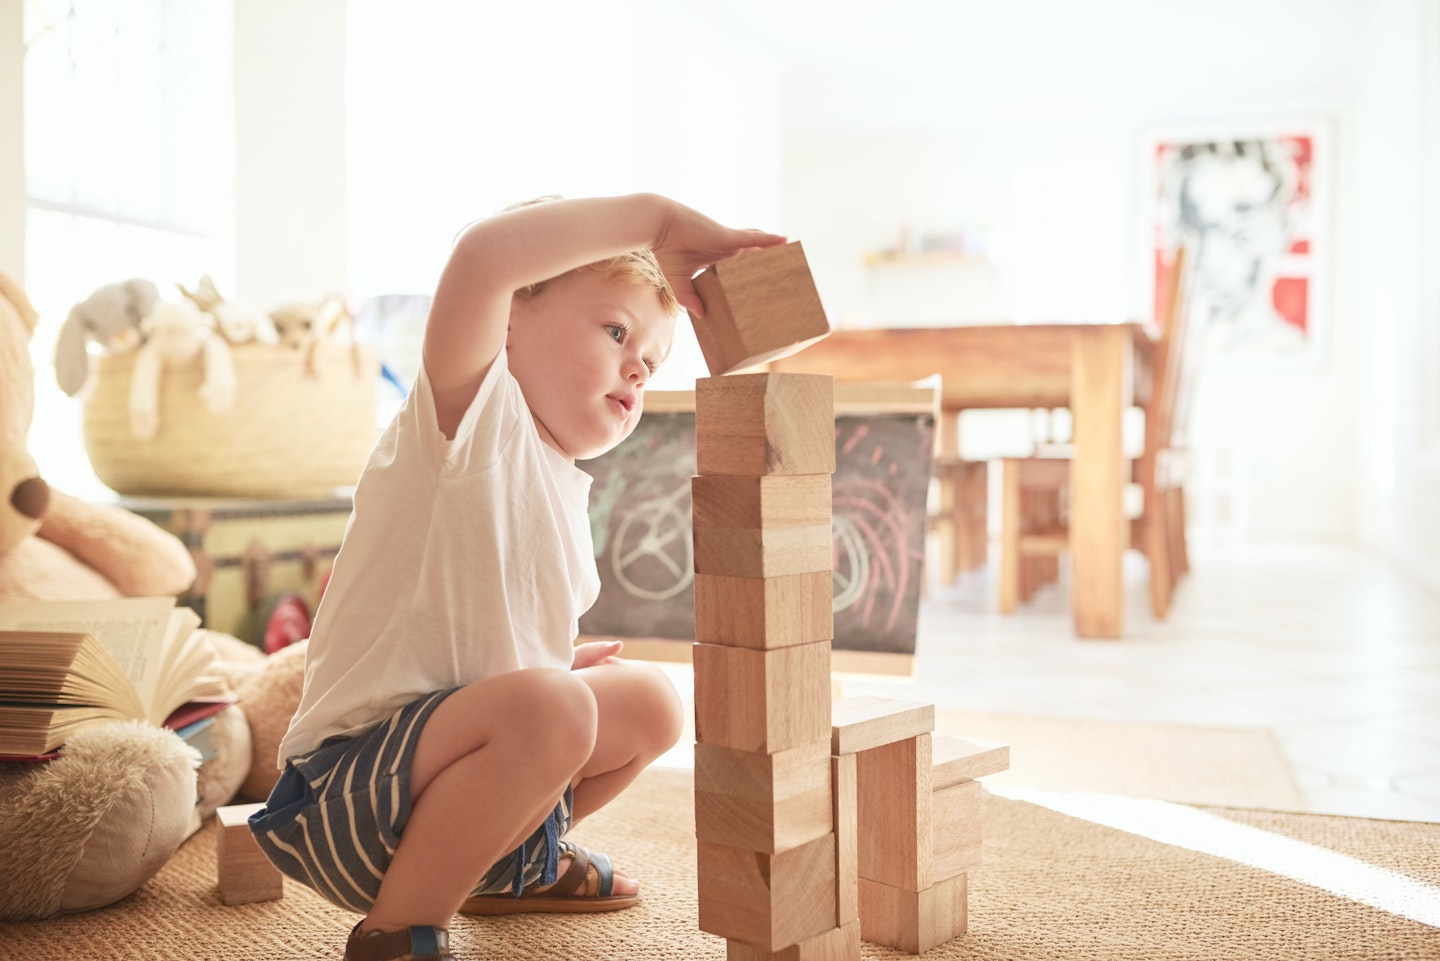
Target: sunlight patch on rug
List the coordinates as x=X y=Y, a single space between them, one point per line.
x=1194 y=830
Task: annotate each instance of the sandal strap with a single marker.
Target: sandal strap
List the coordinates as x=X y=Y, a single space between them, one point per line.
x=414 y=943
x=573 y=880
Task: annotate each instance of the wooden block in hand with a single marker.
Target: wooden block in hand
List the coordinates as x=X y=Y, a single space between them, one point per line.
x=959 y=759
x=837 y=944
x=759 y=305
x=913 y=921
x=764 y=612
x=955 y=821
x=897 y=841
x=862 y=723
x=754 y=424
x=768 y=901
x=763 y=802
x=245 y=875
x=764 y=701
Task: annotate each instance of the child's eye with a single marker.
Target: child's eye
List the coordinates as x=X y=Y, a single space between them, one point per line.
x=617 y=332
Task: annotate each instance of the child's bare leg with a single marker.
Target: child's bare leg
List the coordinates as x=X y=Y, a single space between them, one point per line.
x=492 y=761
x=640 y=718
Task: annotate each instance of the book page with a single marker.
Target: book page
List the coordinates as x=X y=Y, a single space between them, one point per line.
x=132 y=629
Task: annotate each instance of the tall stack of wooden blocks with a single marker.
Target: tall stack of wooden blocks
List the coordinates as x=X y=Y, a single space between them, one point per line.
x=811 y=830
x=764 y=451
x=764 y=821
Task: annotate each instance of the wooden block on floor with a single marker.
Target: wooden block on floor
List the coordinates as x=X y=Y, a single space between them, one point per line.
x=965 y=759
x=754 y=424
x=847 y=841
x=862 y=723
x=765 y=612
x=897 y=841
x=955 y=820
x=764 y=551
x=913 y=921
x=837 y=944
x=244 y=874
x=763 y=802
x=759 y=305
x=779 y=500
x=764 y=701
x=768 y=901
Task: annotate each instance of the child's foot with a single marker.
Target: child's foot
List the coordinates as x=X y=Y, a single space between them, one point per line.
x=588 y=883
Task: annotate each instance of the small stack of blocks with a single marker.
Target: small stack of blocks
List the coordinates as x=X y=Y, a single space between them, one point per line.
x=811 y=831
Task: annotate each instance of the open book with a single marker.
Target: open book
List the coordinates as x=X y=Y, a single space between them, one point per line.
x=68 y=664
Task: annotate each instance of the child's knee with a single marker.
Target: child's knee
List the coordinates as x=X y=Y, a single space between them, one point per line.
x=563 y=717
x=657 y=698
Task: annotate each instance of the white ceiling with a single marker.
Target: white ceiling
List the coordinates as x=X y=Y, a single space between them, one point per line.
x=943 y=63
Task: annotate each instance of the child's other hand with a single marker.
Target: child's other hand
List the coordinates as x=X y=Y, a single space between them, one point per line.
x=689 y=242
x=594 y=652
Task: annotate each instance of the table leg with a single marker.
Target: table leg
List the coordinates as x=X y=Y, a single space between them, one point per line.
x=1100 y=393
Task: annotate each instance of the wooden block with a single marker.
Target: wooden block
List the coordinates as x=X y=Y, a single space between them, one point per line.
x=754 y=424
x=245 y=875
x=782 y=500
x=765 y=612
x=965 y=759
x=759 y=305
x=846 y=817
x=768 y=901
x=955 y=822
x=763 y=802
x=913 y=921
x=862 y=723
x=764 y=551
x=837 y=944
x=766 y=701
x=897 y=841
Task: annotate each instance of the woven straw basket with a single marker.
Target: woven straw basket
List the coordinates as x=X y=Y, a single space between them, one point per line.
x=288 y=435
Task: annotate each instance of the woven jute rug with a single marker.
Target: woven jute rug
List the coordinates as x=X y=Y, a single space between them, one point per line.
x=1053 y=886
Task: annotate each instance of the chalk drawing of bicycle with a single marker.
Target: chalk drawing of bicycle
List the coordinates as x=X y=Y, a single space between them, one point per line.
x=872 y=553
x=652 y=554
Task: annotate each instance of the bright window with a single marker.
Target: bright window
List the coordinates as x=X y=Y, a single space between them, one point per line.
x=128 y=147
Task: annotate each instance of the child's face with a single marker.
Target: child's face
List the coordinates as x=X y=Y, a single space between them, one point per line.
x=583 y=351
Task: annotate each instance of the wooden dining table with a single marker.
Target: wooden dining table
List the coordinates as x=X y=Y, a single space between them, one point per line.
x=1097 y=370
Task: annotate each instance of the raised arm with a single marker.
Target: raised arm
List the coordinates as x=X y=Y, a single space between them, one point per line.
x=470 y=312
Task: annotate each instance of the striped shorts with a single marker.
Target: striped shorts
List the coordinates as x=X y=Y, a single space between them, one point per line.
x=335 y=816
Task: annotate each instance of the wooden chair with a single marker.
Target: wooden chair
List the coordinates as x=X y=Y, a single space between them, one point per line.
x=959 y=519
x=1034 y=524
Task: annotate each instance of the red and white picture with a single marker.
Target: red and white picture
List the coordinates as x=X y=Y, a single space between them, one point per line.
x=1247 y=207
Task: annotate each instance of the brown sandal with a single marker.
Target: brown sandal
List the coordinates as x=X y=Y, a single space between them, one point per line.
x=584 y=888
x=413 y=944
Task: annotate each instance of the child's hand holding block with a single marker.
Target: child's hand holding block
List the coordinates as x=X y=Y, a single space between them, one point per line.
x=759 y=305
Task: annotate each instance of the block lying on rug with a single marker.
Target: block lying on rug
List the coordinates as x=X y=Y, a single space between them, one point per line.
x=91 y=826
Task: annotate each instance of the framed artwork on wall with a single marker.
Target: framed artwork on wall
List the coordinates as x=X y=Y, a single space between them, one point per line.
x=1253 y=202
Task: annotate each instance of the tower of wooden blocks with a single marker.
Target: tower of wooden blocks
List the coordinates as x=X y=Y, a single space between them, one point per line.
x=764 y=804
x=811 y=830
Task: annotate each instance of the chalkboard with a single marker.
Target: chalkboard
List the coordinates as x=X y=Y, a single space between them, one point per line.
x=640 y=519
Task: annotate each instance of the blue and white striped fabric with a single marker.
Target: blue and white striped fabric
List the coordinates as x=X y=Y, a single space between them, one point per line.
x=335 y=816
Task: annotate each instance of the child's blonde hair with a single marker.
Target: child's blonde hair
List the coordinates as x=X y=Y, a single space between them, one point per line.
x=638 y=268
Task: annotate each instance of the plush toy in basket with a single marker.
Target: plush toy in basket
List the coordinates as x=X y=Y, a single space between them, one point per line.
x=256 y=418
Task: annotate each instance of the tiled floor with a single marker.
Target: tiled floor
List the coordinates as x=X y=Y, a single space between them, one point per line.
x=1334 y=650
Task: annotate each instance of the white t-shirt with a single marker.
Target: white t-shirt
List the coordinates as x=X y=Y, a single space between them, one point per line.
x=463 y=559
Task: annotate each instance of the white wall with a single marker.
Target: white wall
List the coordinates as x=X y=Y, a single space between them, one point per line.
x=456 y=110
x=289 y=150
x=1397 y=290
x=1274 y=450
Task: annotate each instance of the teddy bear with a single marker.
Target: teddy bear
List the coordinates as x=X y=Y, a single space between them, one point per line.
x=93 y=825
x=110 y=317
